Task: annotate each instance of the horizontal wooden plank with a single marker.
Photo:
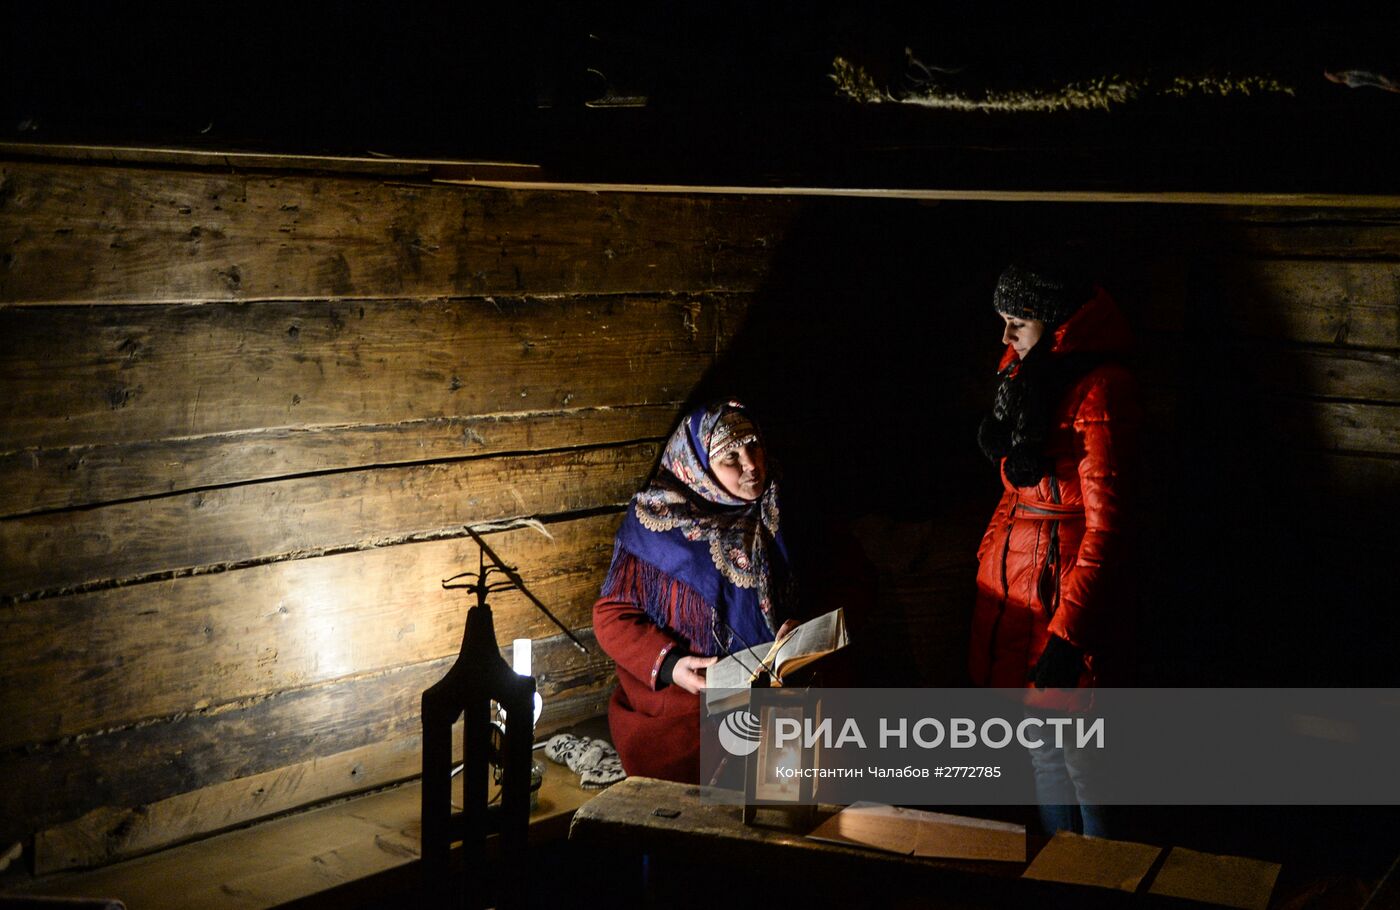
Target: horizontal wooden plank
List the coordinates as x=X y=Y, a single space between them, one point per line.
x=43 y=479
x=1368 y=376
x=112 y=833
x=146 y=763
x=81 y=376
x=1348 y=304
x=1318 y=232
x=229 y=160
x=1339 y=426
x=1258 y=421
x=61 y=551
x=1296 y=217
x=114 y=657
x=1352 y=499
x=101 y=234
x=1263 y=366
x=259 y=867
x=359 y=852
x=1333 y=461
x=283 y=862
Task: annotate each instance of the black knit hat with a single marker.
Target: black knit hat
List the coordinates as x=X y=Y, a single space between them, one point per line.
x=1034 y=292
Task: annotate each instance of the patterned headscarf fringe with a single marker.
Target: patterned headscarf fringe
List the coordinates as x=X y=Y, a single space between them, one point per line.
x=670 y=603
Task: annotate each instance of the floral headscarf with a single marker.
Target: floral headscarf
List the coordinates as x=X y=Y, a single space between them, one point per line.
x=726 y=552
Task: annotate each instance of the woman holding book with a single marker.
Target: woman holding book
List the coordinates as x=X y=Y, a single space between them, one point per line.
x=700 y=569
x=1053 y=608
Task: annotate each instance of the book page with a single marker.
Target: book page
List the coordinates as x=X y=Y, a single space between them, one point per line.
x=803 y=645
x=809 y=641
x=872 y=825
x=1232 y=881
x=1095 y=861
x=915 y=832
x=960 y=837
x=736 y=670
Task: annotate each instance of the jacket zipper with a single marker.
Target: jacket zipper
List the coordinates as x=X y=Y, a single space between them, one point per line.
x=1005 y=593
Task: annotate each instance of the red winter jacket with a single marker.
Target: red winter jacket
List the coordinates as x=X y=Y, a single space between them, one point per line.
x=1092 y=439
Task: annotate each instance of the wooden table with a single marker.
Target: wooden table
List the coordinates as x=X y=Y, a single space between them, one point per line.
x=707 y=835
x=348 y=854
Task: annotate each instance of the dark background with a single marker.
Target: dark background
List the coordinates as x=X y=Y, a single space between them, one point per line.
x=733 y=92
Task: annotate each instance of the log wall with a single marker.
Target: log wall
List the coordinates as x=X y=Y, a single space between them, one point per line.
x=245 y=418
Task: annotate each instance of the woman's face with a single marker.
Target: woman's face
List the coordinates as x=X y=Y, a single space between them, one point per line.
x=1021 y=334
x=743 y=471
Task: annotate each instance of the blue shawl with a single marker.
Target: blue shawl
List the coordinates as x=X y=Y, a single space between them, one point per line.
x=701 y=562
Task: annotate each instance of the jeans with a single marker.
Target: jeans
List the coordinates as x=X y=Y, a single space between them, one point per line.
x=1064 y=787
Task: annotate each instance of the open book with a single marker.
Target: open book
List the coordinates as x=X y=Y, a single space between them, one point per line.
x=809 y=642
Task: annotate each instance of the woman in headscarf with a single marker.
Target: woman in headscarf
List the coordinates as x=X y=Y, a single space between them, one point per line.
x=1053 y=609
x=700 y=569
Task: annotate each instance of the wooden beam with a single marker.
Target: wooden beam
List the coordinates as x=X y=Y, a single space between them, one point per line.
x=970 y=194
x=232 y=159
x=220 y=529
x=93 y=234
x=531 y=176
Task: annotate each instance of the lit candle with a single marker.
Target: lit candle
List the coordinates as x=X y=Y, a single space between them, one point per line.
x=520 y=656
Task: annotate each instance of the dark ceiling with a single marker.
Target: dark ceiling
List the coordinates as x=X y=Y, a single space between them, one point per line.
x=727 y=93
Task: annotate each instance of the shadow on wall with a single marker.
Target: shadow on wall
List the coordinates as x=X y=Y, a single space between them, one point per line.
x=1270 y=553
x=870 y=357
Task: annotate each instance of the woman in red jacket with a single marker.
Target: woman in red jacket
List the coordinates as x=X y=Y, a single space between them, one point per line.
x=1052 y=606
x=699 y=569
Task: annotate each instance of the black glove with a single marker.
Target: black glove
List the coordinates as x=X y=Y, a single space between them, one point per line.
x=1059 y=666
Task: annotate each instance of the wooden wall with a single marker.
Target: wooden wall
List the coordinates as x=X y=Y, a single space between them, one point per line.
x=246 y=415
x=1274 y=460
x=244 y=419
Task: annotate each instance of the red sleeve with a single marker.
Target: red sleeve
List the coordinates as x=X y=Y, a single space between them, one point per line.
x=630 y=638
x=1106 y=422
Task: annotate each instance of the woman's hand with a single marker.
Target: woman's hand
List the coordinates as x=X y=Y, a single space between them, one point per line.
x=787 y=627
x=689 y=673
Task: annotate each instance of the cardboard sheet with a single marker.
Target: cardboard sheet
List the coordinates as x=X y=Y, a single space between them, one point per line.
x=1231 y=881
x=1094 y=861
